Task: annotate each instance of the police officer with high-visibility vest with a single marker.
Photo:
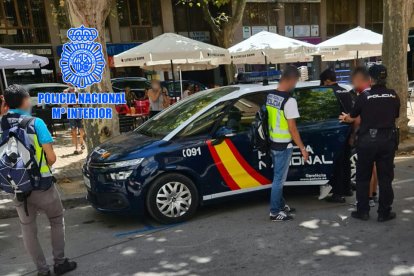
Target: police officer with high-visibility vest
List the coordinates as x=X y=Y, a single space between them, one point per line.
x=377 y=141
x=282 y=110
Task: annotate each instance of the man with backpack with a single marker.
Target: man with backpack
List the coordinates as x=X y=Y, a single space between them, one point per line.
x=26 y=154
x=282 y=111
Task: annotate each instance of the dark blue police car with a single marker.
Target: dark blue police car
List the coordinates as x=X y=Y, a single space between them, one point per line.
x=200 y=149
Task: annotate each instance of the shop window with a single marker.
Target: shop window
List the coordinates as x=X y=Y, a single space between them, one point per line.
x=302 y=19
x=260 y=16
x=342 y=15
x=139 y=19
x=374 y=15
x=189 y=21
x=23 y=21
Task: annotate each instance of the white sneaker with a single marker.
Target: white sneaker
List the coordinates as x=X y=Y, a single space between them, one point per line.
x=371 y=203
x=324 y=191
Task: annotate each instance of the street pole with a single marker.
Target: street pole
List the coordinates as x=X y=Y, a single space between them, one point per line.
x=173 y=78
x=4 y=77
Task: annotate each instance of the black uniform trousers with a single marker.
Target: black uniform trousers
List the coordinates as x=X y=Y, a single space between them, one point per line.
x=341 y=178
x=380 y=150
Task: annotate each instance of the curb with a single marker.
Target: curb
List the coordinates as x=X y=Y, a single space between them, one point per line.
x=68 y=203
x=406 y=150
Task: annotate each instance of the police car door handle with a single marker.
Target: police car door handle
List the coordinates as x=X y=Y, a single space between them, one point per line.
x=228 y=135
x=330 y=133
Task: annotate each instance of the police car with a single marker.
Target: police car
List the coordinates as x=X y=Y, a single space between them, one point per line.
x=200 y=149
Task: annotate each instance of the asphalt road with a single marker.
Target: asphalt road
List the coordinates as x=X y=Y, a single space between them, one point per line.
x=234 y=238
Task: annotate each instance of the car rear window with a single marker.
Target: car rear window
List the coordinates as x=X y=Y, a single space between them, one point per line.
x=316 y=104
x=133 y=84
x=55 y=89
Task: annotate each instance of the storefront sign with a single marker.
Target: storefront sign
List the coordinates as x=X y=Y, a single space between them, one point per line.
x=203 y=36
x=258 y=29
x=246 y=32
x=302 y=30
x=273 y=29
x=289 y=31
x=311 y=40
x=314 y=30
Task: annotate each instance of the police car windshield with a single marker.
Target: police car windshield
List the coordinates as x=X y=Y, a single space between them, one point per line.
x=180 y=112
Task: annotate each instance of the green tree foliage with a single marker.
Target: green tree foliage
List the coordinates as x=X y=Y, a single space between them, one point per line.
x=223 y=17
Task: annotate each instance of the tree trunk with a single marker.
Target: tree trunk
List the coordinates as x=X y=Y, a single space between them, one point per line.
x=397 y=16
x=224 y=32
x=224 y=40
x=91 y=13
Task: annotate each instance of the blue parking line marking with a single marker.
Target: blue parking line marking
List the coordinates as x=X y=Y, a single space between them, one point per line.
x=146 y=228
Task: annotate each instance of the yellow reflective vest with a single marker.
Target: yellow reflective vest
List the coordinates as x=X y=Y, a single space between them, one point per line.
x=277 y=122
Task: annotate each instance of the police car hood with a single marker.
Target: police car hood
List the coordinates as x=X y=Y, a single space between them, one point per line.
x=124 y=146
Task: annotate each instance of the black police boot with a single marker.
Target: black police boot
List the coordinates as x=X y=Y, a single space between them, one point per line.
x=336 y=199
x=360 y=215
x=349 y=193
x=387 y=217
x=65 y=267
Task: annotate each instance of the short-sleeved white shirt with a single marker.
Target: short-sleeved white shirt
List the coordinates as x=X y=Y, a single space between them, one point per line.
x=291 y=109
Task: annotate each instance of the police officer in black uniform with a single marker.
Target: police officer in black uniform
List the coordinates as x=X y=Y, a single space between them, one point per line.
x=377 y=142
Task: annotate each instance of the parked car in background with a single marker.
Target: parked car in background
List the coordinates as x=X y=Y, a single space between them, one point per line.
x=200 y=149
x=175 y=90
x=35 y=88
x=138 y=85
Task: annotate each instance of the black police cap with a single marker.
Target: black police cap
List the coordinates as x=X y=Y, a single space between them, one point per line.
x=378 y=72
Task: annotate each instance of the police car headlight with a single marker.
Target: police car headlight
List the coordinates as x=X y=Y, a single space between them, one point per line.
x=120 y=175
x=126 y=163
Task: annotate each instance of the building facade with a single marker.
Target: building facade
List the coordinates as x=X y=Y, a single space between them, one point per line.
x=39 y=26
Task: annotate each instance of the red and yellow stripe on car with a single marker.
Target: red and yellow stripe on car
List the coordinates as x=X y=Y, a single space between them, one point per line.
x=235 y=170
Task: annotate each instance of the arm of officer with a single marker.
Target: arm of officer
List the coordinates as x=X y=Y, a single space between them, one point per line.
x=291 y=114
x=294 y=132
x=356 y=111
x=50 y=153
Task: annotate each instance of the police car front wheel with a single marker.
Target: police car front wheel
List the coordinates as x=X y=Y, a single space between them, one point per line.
x=172 y=198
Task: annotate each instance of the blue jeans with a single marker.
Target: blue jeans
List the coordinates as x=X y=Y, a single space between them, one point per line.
x=281 y=160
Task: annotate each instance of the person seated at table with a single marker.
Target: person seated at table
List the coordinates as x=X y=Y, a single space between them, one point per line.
x=188 y=90
x=130 y=96
x=158 y=97
x=196 y=88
